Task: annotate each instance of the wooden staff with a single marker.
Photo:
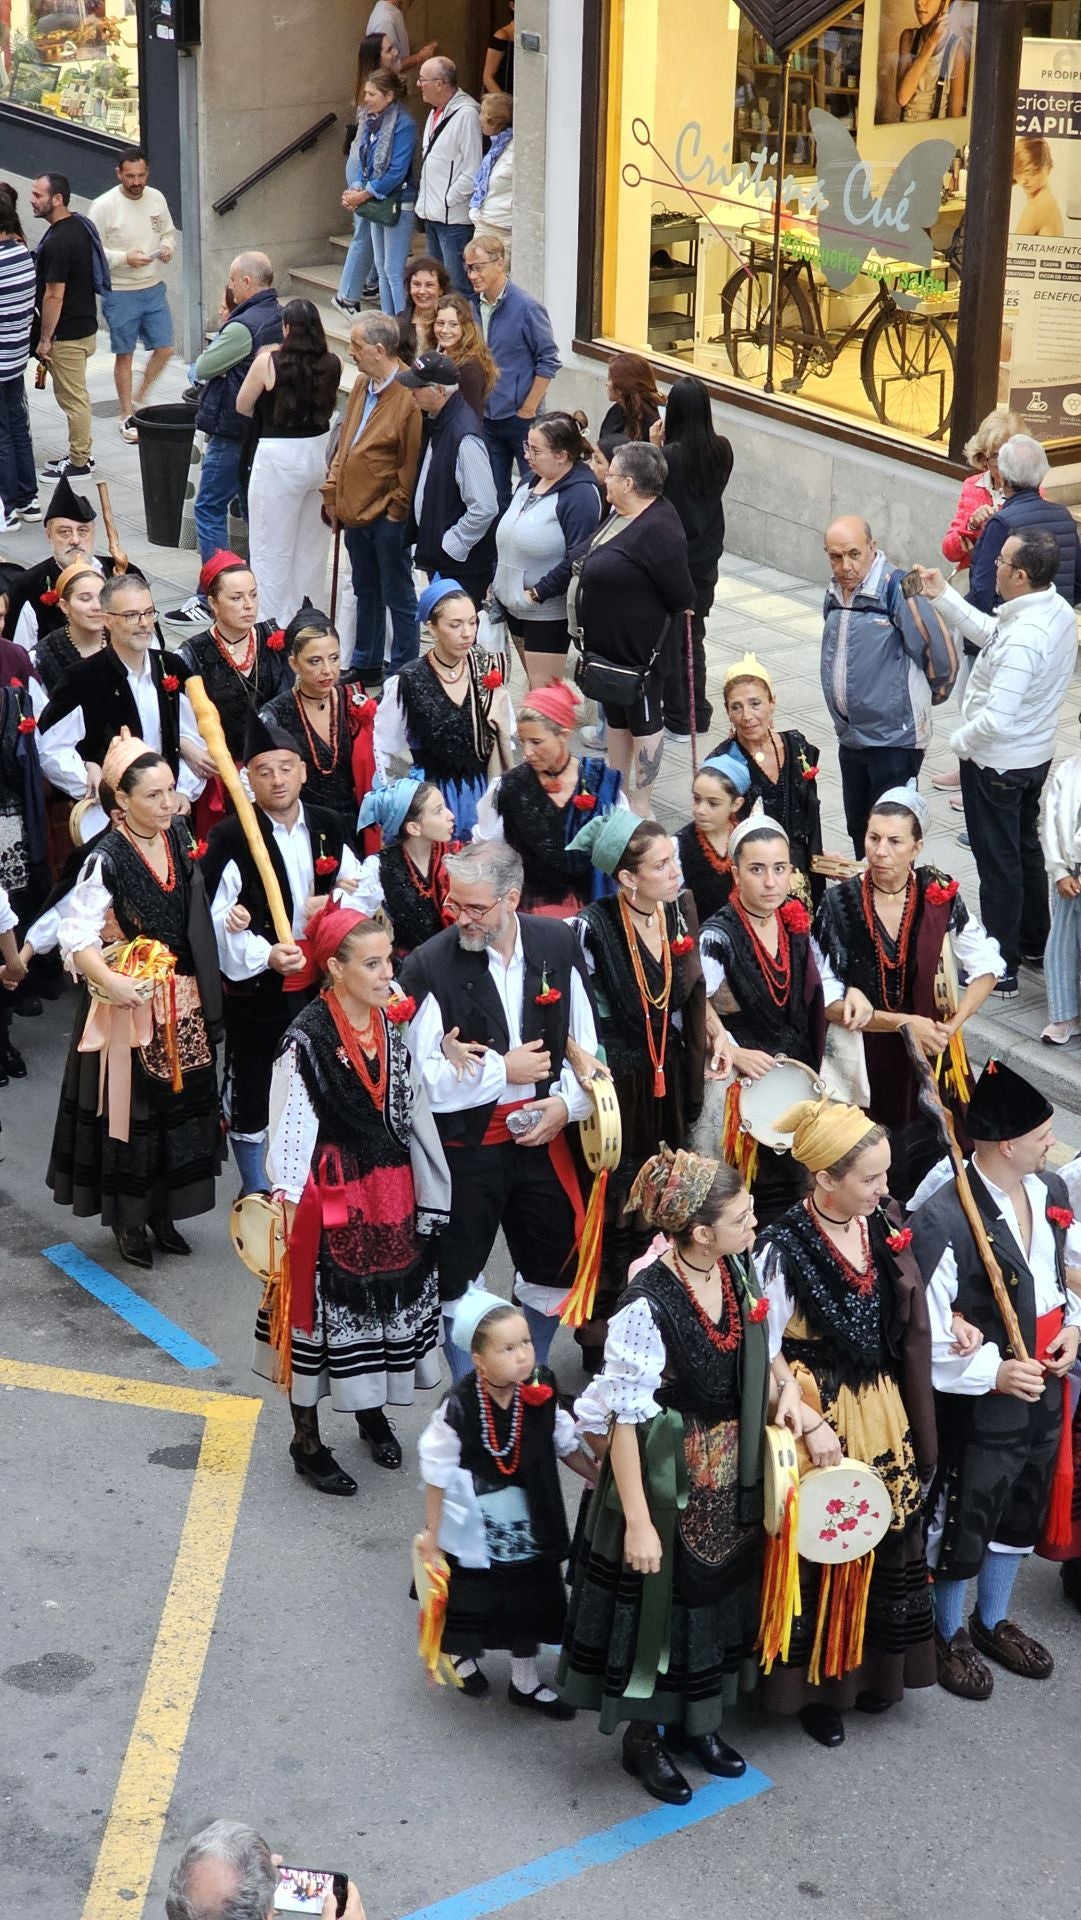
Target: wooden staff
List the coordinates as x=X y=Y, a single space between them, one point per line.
x=940 y=1115
x=206 y=713
x=116 y=552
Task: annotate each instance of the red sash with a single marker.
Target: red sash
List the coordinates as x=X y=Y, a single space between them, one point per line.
x=497 y=1132
x=1057 y=1526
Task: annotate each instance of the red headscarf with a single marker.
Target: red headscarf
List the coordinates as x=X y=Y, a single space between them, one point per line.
x=219 y=562
x=326 y=931
x=557 y=702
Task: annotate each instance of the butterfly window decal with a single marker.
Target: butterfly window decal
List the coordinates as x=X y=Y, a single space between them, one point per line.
x=854 y=221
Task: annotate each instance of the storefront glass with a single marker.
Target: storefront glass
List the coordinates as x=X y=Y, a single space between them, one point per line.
x=77 y=60
x=874 y=171
x=1040 y=360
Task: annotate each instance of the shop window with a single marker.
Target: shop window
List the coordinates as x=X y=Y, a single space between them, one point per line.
x=863 y=319
x=76 y=60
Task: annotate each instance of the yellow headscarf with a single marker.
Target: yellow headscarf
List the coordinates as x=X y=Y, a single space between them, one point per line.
x=824 y=1130
x=749 y=668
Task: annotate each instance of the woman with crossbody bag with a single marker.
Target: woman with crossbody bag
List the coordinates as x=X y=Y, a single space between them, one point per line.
x=627 y=590
x=380 y=195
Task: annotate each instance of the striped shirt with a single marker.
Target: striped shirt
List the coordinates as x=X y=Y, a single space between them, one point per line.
x=17 y=294
x=1013 y=700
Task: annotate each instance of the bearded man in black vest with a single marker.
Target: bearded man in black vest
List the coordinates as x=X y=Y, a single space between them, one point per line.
x=1004 y=1477
x=498 y=996
x=267 y=981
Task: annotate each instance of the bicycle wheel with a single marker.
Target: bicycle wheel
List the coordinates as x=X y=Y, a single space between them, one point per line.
x=907 y=365
x=745 y=307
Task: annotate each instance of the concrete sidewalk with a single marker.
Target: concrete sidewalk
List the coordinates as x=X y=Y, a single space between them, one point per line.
x=758 y=609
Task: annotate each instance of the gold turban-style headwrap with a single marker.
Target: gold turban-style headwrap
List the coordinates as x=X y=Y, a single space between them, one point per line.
x=824 y=1130
x=749 y=668
x=124 y=748
x=671 y=1187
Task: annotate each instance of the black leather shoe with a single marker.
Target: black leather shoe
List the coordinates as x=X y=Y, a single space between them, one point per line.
x=710 y=1751
x=872 y=1703
x=376 y=1429
x=824 y=1725
x=167 y=1237
x=12 y=1062
x=555 y=1709
x=322 y=1470
x=26 y=1004
x=655 y=1768
x=134 y=1246
x=476 y=1683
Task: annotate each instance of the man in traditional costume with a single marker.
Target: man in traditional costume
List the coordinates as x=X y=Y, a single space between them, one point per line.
x=266 y=980
x=1004 y=1478
x=130 y=683
x=498 y=996
x=70 y=525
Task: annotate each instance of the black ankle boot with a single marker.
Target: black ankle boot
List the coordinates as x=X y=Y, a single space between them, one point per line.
x=322 y=1470
x=167 y=1237
x=824 y=1725
x=134 y=1246
x=645 y=1754
x=376 y=1429
x=710 y=1751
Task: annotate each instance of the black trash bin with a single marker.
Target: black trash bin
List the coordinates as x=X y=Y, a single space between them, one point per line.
x=166 y=434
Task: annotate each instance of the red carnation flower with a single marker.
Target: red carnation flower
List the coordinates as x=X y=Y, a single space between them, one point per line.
x=897 y=1242
x=326 y=863
x=757 y=1311
x=681 y=944
x=49 y=598
x=401 y=1009
x=809 y=773
x=547 y=996
x=17 y=684
x=1060 y=1217
x=835 y=1506
x=585 y=802
x=493 y=678
x=199 y=849
x=276 y=640
x=170 y=682
x=455 y=846
x=28 y=724
x=364 y=706
x=940 y=892
x=535 y=1393
x=795 y=917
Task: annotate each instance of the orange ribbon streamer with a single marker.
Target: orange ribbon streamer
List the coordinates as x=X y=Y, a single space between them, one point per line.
x=113 y=1031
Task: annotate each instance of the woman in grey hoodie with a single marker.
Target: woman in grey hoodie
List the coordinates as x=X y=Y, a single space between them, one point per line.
x=552 y=513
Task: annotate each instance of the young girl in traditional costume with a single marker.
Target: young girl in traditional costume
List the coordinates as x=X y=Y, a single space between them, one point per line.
x=494 y=1506
x=703 y=844
x=683 y=1398
x=406 y=879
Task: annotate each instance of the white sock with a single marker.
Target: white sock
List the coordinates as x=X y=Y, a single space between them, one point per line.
x=463 y=1668
x=524 y=1676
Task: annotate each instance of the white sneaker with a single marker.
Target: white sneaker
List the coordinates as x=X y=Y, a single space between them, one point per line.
x=594 y=738
x=193 y=615
x=1058 y=1032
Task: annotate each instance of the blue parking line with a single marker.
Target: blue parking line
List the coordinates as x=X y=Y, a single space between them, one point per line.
x=596 y=1850
x=130 y=1306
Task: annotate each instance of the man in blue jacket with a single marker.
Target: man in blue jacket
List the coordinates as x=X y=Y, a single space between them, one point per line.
x=522 y=344
x=252 y=318
x=1024 y=466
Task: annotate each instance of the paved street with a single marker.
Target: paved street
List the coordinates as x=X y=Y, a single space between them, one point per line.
x=311 y=1716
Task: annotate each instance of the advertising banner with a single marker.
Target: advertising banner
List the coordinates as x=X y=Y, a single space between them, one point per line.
x=1041 y=346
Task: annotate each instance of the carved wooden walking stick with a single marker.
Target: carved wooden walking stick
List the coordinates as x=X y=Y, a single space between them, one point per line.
x=116 y=552
x=206 y=713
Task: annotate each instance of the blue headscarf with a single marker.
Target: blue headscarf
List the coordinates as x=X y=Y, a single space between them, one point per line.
x=436 y=591
x=729 y=768
x=387 y=806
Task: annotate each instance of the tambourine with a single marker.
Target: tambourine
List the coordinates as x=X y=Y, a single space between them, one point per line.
x=835 y=866
x=844 y=1512
x=257 y=1231
x=781 y=1473
x=601 y=1132
x=760 y=1101
x=77 y=815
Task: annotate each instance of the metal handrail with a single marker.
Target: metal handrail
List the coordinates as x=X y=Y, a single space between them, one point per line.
x=300 y=145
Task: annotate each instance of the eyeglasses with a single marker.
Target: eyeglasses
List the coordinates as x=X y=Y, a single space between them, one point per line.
x=135 y=616
x=458 y=912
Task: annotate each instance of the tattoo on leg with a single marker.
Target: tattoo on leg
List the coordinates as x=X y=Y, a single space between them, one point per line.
x=649 y=764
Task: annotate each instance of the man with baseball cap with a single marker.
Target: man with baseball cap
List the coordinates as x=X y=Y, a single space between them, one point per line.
x=454 y=507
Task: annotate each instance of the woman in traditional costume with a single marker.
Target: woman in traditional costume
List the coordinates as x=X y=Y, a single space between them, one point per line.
x=664 y=1611
x=354 y=1155
x=81 y=634
x=782 y=767
x=538 y=807
x=241 y=659
x=762 y=980
x=641 y=953
x=407 y=880
x=449 y=709
x=493 y=1447
x=848 y=1312
x=879 y=940
x=149 y=1153
x=703 y=845
x=330 y=721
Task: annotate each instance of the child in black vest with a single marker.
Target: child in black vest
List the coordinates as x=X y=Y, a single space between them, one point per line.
x=494 y=1509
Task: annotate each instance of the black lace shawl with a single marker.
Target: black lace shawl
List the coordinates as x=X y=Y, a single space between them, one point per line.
x=841 y=931
x=698 y=1378
x=856 y=1337
x=347 y=1116
x=710 y=888
x=330 y=776
x=413 y=917
x=539 y=831
x=796 y=1029
x=179 y=919
x=235 y=694
x=449 y=742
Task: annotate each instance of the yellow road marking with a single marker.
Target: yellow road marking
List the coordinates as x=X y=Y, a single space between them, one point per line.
x=132 y=1835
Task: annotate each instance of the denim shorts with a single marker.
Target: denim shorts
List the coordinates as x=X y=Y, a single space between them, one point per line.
x=138 y=317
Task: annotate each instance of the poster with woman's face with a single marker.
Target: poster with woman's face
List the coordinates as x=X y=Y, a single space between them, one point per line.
x=924 y=65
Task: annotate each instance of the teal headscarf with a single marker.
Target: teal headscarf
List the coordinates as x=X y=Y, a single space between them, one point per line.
x=387 y=806
x=605 y=840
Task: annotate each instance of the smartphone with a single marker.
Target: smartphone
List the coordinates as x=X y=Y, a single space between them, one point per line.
x=912 y=584
x=304 y=1889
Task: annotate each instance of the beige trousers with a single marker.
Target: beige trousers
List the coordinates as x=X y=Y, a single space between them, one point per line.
x=68 y=362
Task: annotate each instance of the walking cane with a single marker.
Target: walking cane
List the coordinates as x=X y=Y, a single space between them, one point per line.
x=334 y=571
x=690 y=694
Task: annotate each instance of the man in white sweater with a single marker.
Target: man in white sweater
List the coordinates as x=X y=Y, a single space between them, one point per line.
x=137 y=233
x=1006 y=740
x=450 y=153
